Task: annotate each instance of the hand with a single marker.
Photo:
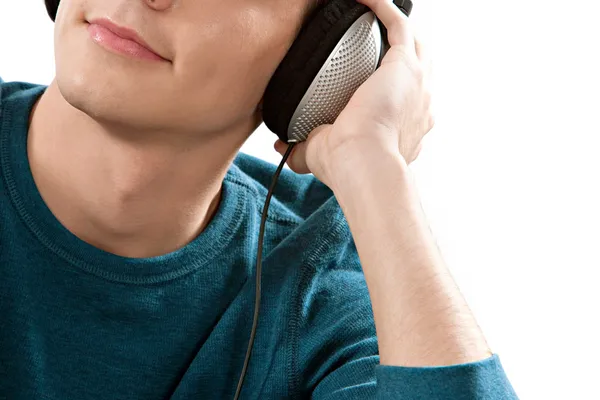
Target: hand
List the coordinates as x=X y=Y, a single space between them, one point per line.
x=389 y=114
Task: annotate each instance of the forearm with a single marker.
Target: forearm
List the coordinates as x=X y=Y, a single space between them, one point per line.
x=420 y=316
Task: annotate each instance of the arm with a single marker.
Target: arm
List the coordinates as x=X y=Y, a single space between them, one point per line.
x=338 y=355
x=430 y=346
x=420 y=315
x=415 y=300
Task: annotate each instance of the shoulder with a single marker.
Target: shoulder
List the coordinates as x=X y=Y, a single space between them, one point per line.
x=305 y=224
x=303 y=211
x=16 y=89
x=331 y=273
x=16 y=99
x=295 y=197
x=332 y=321
x=302 y=202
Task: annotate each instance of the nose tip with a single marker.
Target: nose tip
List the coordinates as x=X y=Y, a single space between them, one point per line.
x=159 y=5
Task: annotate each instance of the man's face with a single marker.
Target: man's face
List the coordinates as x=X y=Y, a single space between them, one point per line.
x=219 y=56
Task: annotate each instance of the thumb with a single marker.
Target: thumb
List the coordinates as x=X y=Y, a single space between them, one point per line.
x=297 y=158
x=303 y=158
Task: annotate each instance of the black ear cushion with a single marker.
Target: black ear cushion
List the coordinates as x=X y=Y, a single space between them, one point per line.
x=313 y=45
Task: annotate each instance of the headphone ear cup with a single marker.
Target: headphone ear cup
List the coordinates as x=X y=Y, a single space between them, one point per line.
x=307 y=55
x=334 y=53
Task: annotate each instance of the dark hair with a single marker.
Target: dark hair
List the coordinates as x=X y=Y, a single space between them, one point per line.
x=52 y=7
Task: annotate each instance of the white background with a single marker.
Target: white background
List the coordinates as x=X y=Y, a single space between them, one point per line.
x=509 y=177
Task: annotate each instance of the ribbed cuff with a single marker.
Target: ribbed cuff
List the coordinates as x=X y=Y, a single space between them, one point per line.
x=479 y=380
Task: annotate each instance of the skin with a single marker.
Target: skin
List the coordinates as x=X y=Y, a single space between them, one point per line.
x=130 y=155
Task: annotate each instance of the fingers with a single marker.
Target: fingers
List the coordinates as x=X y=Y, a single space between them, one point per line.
x=422 y=51
x=297 y=159
x=395 y=21
x=415 y=153
x=424 y=56
x=304 y=155
x=419 y=48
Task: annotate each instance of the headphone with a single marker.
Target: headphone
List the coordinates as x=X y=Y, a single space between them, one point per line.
x=338 y=48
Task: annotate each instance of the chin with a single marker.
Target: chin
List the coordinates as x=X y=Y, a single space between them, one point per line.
x=90 y=95
x=110 y=96
x=109 y=87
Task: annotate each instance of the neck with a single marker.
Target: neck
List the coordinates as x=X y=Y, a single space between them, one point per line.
x=122 y=194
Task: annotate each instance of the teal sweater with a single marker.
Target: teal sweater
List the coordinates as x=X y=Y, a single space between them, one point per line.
x=80 y=323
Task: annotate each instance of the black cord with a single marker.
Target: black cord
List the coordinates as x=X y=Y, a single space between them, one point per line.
x=261 y=235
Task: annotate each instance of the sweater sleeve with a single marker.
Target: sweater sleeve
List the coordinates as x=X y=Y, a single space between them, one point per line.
x=484 y=379
x=339 y=357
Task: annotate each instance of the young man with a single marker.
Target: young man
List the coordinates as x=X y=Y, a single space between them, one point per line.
x=129 y=222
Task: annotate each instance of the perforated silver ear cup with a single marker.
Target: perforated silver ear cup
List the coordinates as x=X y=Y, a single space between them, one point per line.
x=351 y=62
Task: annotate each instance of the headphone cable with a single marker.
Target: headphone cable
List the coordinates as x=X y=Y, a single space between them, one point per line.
x=259 y=268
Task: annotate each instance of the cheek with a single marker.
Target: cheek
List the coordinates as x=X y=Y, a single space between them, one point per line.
x=232 y=65
x=223 y=70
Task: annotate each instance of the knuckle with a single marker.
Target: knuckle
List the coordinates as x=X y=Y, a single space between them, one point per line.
x=431 y=121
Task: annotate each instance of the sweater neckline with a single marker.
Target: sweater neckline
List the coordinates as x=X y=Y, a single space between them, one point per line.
x=48 y=230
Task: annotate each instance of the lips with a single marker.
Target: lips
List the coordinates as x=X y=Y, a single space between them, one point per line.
x=121 y=39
